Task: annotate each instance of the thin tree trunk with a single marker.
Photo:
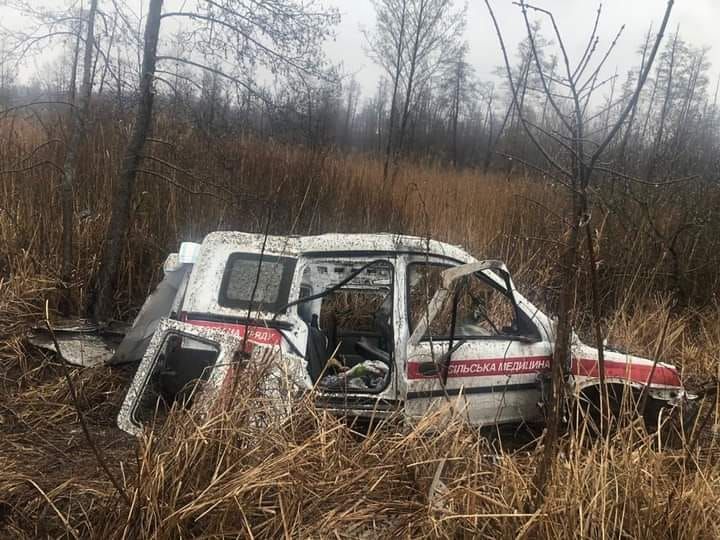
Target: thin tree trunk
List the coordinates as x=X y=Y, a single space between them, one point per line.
x=492 y=143
x=488 y=126
x=611 y=98
x=651 y=106
x=348 y=115
x=419 y=27
x=72 y=90
x=123 y=191
x=456 y=112
x=393 y=101
x=106 y=67
x=118 y=87
x=596 y=310
x=79 y=116
x=547 y=98
x=562 y=353
x=633 y=113
x=655 y=156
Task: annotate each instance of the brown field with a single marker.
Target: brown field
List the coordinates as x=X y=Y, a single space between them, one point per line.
x=313 y=476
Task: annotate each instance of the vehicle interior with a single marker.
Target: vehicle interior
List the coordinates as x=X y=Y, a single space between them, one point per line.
x=347 y=306
x=180 y=365
x=477 y=307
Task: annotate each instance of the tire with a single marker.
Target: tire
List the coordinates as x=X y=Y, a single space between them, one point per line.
x=586 y=414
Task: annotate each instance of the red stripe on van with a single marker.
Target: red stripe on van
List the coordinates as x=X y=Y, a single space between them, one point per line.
x=588 y=367
x=259 y=335
x=585 y=367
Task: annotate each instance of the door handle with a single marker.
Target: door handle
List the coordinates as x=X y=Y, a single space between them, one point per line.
x=431 y=368
x=427 y=368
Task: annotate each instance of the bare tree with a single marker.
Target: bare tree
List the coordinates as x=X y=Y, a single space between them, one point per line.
x=353 y=96
x=7 y=73
x=459 y=88
x=573 y=163
x=79 y=115
x=387 y=47
x=228 y=38
x=122 y=195
x=410 y=41
x=669 y=67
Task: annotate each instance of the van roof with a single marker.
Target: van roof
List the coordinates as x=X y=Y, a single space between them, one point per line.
x=205 y=280
x=293 y=246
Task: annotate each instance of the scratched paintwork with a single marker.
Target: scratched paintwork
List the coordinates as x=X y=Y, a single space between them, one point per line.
x=284 y=375
x=205 y=280
x=288 y=377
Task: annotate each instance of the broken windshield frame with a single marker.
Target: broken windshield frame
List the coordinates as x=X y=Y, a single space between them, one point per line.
x=453 y=324
x=506 y=290
x=478 y=268
x=522 y=332
x=443 y=364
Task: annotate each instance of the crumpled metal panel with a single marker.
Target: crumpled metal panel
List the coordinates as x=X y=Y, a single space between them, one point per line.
x=82 y=343
x=157 y=305
x=85 y=350
x=284 y=378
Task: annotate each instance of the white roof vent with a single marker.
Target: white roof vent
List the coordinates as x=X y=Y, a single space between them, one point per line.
x=188 y=252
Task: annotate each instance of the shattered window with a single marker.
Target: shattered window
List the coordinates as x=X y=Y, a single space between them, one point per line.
x=267 y=289
x=355 y=309
x=481 y=310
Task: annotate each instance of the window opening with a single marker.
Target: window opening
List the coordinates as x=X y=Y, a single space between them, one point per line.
x=350 y=332
x=484 y=309
x=181 y=365
x=273 y=281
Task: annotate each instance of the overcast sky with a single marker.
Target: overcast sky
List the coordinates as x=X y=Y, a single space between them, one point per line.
x=698 y=21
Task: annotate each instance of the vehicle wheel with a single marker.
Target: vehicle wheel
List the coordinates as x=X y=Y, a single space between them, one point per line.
x=586 y=414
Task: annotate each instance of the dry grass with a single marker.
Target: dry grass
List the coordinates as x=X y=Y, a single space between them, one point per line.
x=313 y=476
x=235 y=181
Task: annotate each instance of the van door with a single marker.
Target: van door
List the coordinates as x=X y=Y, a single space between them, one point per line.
x=347 y=303
x=187 y=367
x=246 y=294
x=470 y=339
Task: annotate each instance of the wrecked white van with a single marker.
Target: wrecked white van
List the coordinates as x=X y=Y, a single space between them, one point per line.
x=370 y=323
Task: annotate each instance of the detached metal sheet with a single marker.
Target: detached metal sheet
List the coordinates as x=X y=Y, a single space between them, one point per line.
x=157 y=305
x=81 y=342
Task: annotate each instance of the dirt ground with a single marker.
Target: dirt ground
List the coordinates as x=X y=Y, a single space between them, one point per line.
x=43 y=449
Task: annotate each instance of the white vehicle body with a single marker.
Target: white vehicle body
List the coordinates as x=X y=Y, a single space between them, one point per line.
x=298 y=295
